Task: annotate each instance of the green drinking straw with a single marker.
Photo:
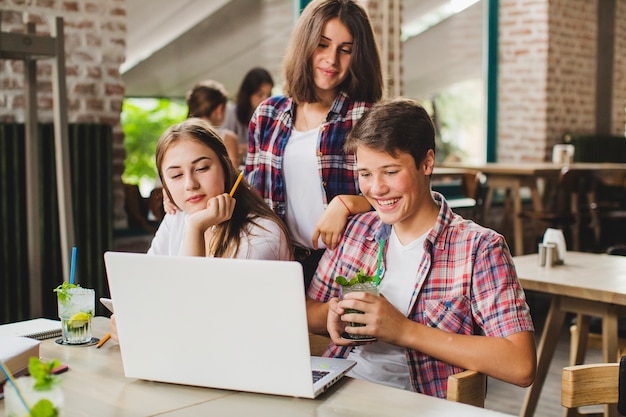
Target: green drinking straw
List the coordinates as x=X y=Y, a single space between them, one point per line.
x=380 y=261
x=10 y=378
x=73 y=266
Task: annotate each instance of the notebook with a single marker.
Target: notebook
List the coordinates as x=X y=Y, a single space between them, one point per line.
x=39 y=328
x=15 y=352
x=222 y=323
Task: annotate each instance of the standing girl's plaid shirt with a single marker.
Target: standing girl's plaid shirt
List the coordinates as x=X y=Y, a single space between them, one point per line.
x=270 y=129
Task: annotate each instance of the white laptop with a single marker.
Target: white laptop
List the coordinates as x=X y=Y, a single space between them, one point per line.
x=221 y=323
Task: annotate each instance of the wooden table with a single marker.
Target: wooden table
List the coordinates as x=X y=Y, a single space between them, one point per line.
x=95 y=386
x=588 y=284
x=513 y=177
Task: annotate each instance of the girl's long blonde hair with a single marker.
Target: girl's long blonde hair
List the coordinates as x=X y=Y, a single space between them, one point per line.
x=250 y=206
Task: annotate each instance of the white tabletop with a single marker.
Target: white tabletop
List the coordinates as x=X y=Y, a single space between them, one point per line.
x=95 y=386
x=588 y=284
x=590 y=276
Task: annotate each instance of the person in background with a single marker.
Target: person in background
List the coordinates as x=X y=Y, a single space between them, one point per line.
x=255 y=87
x=295 y=145
x=197 y=176
x=450 y=297
x=207 y=100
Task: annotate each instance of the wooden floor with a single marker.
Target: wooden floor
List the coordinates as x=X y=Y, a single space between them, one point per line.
x=508 y=398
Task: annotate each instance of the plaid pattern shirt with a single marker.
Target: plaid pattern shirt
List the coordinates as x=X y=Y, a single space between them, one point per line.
x=270 y=129
x=466 y=284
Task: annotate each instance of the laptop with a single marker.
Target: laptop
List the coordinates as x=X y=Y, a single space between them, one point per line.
x=235 y=324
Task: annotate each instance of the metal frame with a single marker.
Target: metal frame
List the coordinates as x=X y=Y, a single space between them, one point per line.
x=30 y=47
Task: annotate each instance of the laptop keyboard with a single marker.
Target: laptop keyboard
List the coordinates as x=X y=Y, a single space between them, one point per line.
x=317 y=375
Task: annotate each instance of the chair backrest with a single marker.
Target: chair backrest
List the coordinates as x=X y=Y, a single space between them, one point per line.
x=590 y=384
x=468 y=387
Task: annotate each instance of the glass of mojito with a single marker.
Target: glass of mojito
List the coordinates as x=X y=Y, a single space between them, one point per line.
x=14 y=407
x=360 y=283
x=76 y=308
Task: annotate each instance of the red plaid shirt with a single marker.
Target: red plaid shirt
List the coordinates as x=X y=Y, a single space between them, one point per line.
x=268 y=133
x=466 y=284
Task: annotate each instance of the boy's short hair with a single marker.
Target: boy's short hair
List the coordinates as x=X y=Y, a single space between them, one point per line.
x=392 y=126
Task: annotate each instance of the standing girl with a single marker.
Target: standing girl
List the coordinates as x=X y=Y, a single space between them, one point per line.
x=295 y=144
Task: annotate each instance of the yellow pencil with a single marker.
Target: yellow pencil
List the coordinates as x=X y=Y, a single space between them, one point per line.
x=232 y=190
x=103 y=340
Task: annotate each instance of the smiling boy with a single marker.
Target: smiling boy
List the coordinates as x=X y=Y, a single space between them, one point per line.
x=450 y=298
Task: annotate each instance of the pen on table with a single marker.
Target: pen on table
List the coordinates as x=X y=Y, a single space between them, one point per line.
x=232 y=190
x=103 y=340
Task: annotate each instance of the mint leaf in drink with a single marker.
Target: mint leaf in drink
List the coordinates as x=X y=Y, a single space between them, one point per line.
x=360 y=278
x=63 y=291
x=42 y=373
x=341 y=280
x=43 y=408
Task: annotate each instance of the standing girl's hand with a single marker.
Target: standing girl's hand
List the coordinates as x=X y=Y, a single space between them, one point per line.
x=330 y=226
x=168 y=206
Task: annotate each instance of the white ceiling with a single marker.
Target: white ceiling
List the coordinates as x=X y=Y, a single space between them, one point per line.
x=173 y=44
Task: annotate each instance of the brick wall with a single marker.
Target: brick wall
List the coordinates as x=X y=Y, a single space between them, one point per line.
x=619 y=72
x=522 y=90
x=386 y=18
x=547 y=74
x=95 y=46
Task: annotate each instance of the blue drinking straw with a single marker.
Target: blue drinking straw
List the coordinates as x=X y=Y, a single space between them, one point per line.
x=73 y=267
x=9 y=377
x=379 y=267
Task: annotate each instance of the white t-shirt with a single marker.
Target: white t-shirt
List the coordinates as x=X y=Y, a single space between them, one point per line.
x=303 y=187
x=266 y=242
x=382 y=362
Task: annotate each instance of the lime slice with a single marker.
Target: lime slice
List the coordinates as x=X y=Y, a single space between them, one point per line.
x=79 y=319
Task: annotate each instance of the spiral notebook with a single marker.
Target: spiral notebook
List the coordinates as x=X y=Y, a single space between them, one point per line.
x=39 y=328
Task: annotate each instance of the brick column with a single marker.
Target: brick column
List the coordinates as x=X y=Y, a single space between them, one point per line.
x=386 y=19
x=547 y=74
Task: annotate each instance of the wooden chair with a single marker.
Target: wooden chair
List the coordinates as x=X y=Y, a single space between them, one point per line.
x=468 y=387
x=591 y=384
x=474 y=186
x=318 y=344
x=570 y=207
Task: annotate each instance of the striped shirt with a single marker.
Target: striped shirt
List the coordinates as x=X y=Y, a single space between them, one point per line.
x=466 y=284
x=270 y=129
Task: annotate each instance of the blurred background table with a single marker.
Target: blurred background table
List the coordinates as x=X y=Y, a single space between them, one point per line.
x=512 y=178
x=588 y=284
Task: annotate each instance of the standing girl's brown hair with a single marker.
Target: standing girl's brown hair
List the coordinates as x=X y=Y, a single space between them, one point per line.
x=365 y=81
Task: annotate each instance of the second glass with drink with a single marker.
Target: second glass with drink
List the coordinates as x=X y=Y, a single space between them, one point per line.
x=76 y=308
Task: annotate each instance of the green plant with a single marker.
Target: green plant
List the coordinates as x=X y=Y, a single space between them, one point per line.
x=143 y=121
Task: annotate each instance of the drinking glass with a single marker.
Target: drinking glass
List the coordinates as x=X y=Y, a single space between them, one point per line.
x=13 y=406
x=369 y=287
x=75 y=312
